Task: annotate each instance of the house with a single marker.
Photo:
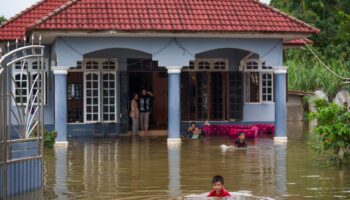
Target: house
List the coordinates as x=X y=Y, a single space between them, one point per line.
x=210 y=60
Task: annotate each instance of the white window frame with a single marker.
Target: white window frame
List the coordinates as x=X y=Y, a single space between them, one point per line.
x=29 y=72
x=267 y=87
x=98 y=99
x=211 y=64
x=100 y=71
x=14 y=74
x=115 y=97
x=262 y=69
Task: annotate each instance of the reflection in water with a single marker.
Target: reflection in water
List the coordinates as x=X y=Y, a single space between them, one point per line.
x=174 y=171
x=61 y=173
x=280 y=154
x=145 y=168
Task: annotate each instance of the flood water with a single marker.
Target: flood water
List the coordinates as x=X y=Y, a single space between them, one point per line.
x=144 y=168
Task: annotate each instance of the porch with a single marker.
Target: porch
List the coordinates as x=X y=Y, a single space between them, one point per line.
x=220 y=80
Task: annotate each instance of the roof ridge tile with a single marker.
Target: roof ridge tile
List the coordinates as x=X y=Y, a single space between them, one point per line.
x=54 y=12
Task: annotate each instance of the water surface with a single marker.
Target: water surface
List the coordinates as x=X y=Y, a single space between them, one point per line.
x=145 y=168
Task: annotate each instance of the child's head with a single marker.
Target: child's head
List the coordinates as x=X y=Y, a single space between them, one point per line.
x=218 y=182
x=193 y=124
x=241 y=136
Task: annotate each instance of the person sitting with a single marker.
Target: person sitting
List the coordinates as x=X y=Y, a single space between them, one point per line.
x=218 y=190
x=190 y=130
x=240 y=142
x=196 y=133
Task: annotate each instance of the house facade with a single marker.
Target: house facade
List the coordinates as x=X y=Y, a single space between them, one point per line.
x=220 y=61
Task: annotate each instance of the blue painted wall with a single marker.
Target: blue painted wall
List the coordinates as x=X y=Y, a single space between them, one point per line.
x=70 y=49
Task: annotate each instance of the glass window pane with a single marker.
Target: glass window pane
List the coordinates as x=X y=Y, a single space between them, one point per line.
x=95 y=93
x=105 y=117
x=95 y=109
x=111 y=84
x=95 y=117
x=254 y=87
x=105 y=100
x=95 y=101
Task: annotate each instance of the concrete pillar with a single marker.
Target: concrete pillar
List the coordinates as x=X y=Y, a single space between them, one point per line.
x=174 y=105
x=280 y=103
x=61 y=104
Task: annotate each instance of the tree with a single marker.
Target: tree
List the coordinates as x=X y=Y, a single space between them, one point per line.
x=332 y=45
x=333 y=128
x=2 y=20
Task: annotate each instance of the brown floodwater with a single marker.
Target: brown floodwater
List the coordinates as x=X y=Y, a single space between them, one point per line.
x=145 y=168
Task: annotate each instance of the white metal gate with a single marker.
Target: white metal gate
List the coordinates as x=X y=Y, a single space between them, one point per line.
x=21 y=118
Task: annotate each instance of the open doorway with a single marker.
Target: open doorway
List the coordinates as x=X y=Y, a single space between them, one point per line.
x=146 y=75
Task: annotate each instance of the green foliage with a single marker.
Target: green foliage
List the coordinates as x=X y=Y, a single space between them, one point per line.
x=2 y=20
x=333 y=127
x=332 y=44
x=49 y=138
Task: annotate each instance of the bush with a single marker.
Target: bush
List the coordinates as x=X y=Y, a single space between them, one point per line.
x=333 y=128
x=49 y=138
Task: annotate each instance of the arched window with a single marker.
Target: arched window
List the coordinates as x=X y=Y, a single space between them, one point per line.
x=108 y=65
x=220 y=65
x=20 y=88
x=252 y=65
x=24 y=74
x=100 y=90
x=258 y=81
x=109 y=90
x=203 y=65
x=92 y=101
x=91 y=65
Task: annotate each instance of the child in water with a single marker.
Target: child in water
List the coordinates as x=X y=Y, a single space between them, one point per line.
x=240 y=142
x=191 y=129
x=218 y=188
x=196 y=133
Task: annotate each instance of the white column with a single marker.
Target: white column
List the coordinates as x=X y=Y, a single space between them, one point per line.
x=174 y=105
x=61 y=104
x=280 y=76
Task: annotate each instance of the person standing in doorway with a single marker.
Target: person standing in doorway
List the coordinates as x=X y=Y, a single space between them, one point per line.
x=135 y=114
x=145 y=105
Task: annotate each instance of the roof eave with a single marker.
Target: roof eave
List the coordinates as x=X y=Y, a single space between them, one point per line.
x=112 y=33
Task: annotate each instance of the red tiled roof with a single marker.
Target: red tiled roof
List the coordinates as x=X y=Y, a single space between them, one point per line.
x=16 y=26
x=298 y=42
x=155 y=16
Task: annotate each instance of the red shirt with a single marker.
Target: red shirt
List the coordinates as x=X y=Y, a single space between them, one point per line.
x=223 y=193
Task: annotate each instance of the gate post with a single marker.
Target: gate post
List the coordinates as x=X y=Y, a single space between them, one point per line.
x=61 y=104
